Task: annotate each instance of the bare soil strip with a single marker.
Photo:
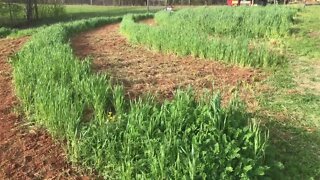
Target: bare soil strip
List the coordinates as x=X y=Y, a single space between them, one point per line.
x=141 y=70
x=25 y=152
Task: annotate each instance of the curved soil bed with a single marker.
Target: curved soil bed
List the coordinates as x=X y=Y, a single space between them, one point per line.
x=25 y=152
x=141 y=70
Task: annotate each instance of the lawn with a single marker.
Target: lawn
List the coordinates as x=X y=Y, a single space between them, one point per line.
x=292 y=104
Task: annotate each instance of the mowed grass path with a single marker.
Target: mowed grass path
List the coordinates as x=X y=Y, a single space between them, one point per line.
x=293 y=103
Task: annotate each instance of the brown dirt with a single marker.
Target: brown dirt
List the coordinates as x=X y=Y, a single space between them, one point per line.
x=142 y=70
x=150 y=22
x=25 y=152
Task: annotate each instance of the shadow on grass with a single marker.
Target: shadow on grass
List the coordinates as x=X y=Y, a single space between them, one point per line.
x=294 y=30
x=293 y=153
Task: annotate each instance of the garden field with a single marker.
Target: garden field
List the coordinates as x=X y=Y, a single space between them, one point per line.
x=198 y=93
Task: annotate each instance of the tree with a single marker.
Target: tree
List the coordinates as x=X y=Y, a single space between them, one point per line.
x=29 y=10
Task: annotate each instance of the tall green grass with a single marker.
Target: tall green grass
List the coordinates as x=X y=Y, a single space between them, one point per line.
x=186 y=138
x=234 y=35
x=72 y=13
x=252 y=22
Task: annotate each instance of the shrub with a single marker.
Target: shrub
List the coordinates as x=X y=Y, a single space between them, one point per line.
x=5 y=32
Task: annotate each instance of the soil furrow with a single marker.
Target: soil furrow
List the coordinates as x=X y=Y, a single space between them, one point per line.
x=25 y=151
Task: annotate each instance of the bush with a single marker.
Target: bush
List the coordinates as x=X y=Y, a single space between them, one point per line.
x=4 y=32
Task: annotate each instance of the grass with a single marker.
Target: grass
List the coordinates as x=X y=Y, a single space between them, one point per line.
x=292 y=109
x=306 y=41
x=78 y=12
x=127 y=139
x=87 y=11
x=72 y=12
x=185 y=138
x=233 y=35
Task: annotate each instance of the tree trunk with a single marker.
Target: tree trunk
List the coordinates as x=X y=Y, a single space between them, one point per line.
x=36 y=9
x=29 y=10
x=10 y=11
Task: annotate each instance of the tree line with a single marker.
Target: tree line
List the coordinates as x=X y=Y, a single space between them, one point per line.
x=18 y=11
x=144 y=2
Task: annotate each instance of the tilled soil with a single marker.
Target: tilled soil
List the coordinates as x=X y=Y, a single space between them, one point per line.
x=141 y=70
x=25 y=152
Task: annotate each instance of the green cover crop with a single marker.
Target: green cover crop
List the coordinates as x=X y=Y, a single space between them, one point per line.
x=234 y=35
x=185 y=138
